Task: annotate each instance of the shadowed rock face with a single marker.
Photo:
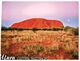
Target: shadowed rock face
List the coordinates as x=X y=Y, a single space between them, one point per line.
x=38 y=23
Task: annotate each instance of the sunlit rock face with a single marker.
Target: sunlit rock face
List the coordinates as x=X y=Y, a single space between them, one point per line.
x=38 y=23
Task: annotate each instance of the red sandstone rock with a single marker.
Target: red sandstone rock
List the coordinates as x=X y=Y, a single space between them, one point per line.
x=38 y=23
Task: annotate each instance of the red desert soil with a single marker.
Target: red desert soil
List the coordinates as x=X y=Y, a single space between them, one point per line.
x=60 y=54
x=38 y=23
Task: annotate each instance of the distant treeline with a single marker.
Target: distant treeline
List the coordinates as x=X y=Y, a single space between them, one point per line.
x=34 y=29
x=72 y=30
x=67 y=28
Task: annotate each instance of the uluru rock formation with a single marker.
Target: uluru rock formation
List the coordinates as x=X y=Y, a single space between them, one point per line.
x=38 y=23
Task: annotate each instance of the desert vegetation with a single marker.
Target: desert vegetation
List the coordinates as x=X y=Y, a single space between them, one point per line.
x=40 y=43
